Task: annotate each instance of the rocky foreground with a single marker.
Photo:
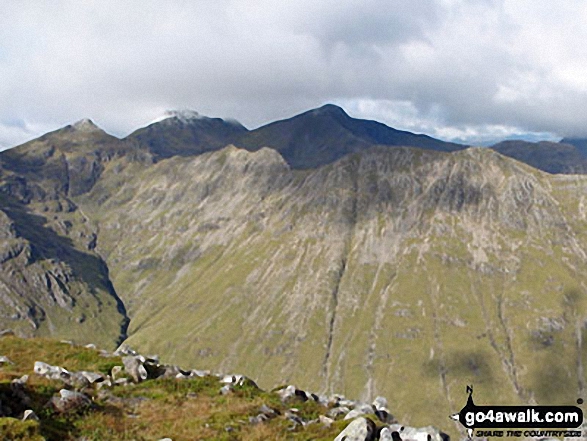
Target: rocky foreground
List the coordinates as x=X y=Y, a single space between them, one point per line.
x=57 y=390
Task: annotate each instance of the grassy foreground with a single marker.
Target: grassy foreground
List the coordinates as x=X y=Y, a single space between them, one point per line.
x=191 y=409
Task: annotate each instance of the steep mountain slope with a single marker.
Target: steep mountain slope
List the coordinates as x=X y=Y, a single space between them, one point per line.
x=551 y=157
x=387 y=269
x=323 y=135
x=51 y=280
x=186 y=133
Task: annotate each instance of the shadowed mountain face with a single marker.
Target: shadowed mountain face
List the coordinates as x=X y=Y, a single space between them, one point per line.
x=580 y=143
x=323 y=135
x=187 y=134
x=551 y=157
x=406 y=272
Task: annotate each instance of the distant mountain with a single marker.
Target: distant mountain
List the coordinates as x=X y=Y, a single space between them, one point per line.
x=551 y=157
x=321 y=136
x=187 y=133
x=580 y=143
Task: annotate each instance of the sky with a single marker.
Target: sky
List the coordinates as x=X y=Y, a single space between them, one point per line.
x=472 y=71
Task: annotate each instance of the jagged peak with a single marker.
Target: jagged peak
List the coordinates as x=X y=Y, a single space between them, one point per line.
x=86 y=125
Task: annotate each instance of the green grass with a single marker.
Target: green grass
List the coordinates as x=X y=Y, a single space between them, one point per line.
x=179 y=409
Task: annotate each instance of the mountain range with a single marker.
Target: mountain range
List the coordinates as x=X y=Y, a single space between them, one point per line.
x=334 y=253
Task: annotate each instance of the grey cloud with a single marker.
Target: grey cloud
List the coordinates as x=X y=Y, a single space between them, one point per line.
x=473 y=66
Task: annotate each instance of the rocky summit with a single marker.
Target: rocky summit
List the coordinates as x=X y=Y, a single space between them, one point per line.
x=322 y=251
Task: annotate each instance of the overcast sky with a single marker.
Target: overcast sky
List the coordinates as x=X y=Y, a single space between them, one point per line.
x=470 y=70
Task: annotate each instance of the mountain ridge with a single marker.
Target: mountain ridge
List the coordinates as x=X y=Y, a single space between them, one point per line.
x=448 y=268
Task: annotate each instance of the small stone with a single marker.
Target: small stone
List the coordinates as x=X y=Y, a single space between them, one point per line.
x=226 y=389
x=90 y=346
x=337 y=411
x=30 y=415
x=267 y=411
x=7 y=333
x=326 y=422
x=115 y=372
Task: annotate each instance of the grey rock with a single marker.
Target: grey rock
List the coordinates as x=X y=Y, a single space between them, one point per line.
x=366 y=409
x=361 y=429
x=5 y=360
x=51 y=372
x=125 y=349
x=70 y=401
x=267 y=411
x=134 y=366
x=30 y=415
x=6 y=333
x=106 y=383
x=258 y=419
x=22 y=380
x=292 y=416
x=380 y=403
x=92 y=377
x=353 y=414
x=199 y=373
x=327 y=422
x=116 y=372
x=337 y=411
x=291 y=392
x=385 y=435
x=385 y=417
x=226 y=389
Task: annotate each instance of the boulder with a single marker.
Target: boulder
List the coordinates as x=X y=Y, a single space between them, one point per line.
x=92 y=377
x=291 y=392
x=134 y=366
x=380 y=403
x=361 y=429
x=70 y=401
x=51 y=372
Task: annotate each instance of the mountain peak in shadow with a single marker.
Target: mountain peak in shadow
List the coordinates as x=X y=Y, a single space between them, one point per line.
x=323 y=135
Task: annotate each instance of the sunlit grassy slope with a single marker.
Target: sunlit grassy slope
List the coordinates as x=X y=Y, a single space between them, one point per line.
x=400 y=272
